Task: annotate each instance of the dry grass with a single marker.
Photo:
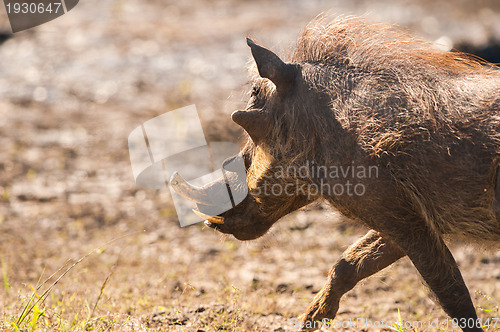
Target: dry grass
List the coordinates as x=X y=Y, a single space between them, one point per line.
x=67 y=192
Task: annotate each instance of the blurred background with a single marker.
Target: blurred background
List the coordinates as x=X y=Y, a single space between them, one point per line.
x=73 y=89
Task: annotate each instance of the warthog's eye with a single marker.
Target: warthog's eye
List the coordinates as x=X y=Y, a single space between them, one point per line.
x=255 y=91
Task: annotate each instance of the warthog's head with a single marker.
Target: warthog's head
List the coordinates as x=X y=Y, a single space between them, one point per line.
x=276 y=136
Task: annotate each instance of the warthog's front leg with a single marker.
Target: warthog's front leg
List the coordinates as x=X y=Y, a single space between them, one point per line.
x=369 y=255
x=435 y=263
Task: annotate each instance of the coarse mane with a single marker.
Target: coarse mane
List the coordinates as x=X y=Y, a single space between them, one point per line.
x=385 y=82
x=353 y=41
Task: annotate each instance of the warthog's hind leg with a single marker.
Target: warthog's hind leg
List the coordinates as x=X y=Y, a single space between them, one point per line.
x=367 y=256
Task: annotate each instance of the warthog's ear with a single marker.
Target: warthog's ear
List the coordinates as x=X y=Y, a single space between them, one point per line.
x=272 y=67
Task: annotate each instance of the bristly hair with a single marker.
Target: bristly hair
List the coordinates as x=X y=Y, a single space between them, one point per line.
x=371 y=94
x=385 y=86
x=349 y=40
x=387 y=80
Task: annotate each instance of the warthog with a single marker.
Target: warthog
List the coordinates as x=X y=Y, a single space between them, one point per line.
x=357 y=94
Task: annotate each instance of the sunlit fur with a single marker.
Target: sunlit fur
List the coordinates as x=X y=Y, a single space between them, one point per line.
x=407 y=105
x=369 y=94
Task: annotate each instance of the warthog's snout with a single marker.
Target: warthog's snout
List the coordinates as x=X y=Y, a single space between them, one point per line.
x=225 y=203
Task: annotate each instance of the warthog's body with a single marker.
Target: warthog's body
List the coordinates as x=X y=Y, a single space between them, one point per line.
x=358 y=94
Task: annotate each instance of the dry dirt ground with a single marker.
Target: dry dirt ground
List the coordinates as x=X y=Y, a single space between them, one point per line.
x=70 y=93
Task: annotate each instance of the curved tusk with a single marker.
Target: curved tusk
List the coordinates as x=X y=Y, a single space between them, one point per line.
x=215 y=220
x=188 y=191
